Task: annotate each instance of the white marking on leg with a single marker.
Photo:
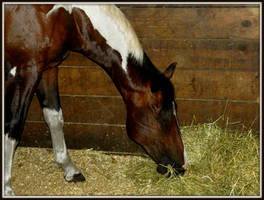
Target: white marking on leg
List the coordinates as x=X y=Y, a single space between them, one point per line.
x=114 y=27
x=9 y=151
x=173 y=108
x=54 y=119
x=13 y=71
x=184 y=157
x=184 y=153
x=175 y=113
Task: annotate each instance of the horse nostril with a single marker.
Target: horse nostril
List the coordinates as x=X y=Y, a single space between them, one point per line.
x=177 y=171
x=181 y=171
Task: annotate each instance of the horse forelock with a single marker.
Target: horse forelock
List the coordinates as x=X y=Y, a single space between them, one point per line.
x=111 y=23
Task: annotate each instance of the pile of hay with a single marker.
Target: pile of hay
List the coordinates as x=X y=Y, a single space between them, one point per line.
x=221 y=163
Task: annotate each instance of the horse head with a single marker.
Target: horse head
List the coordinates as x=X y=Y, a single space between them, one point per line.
x=152 y=122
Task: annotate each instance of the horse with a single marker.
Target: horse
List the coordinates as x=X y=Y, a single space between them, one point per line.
x=37 y=38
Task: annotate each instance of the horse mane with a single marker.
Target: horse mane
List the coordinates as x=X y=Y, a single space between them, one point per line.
x=135 y=48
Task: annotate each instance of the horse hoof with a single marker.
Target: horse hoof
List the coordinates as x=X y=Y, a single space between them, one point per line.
x=78 y=178
x=75 y=178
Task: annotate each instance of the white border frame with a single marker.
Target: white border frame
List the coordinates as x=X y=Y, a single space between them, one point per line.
x=124 y=3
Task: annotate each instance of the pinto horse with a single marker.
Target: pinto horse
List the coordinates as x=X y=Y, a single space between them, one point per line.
x=37 y=38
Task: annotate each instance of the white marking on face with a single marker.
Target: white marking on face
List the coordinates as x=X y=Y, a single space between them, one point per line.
x=114 y=27
x=13 y=71
x=175 y=113
x=185 y=159
x=184 y=153
x=173 y=108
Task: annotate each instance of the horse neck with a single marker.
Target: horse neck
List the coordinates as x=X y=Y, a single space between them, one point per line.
x=105 y=36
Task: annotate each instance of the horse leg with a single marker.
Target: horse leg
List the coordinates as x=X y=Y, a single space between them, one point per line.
x=48 y=96
x=19 y=88
x=9 y=150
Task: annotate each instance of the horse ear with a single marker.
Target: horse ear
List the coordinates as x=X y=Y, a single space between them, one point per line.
x=169 y=71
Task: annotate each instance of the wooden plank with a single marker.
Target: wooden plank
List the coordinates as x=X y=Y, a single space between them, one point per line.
x=97 y=110
x=114 y=137
x=194 y=22
x=85 y=81
x=216 y=85
x=245 y=55
x=189 y=53
x=197 y=84
x=235 y=114
x=209 y=53
x=77 y=59
x=112 y=111
x=78 y=136
x=204 y=54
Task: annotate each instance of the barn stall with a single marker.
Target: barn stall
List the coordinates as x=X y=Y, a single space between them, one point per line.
x=217 y=76
x=216 y=80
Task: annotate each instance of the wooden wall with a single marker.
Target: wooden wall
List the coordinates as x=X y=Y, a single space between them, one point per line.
x=217 y=51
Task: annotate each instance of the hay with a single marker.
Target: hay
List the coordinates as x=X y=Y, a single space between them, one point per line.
x=221 y=163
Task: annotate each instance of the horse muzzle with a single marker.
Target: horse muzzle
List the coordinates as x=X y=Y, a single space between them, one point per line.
x=171 y=170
